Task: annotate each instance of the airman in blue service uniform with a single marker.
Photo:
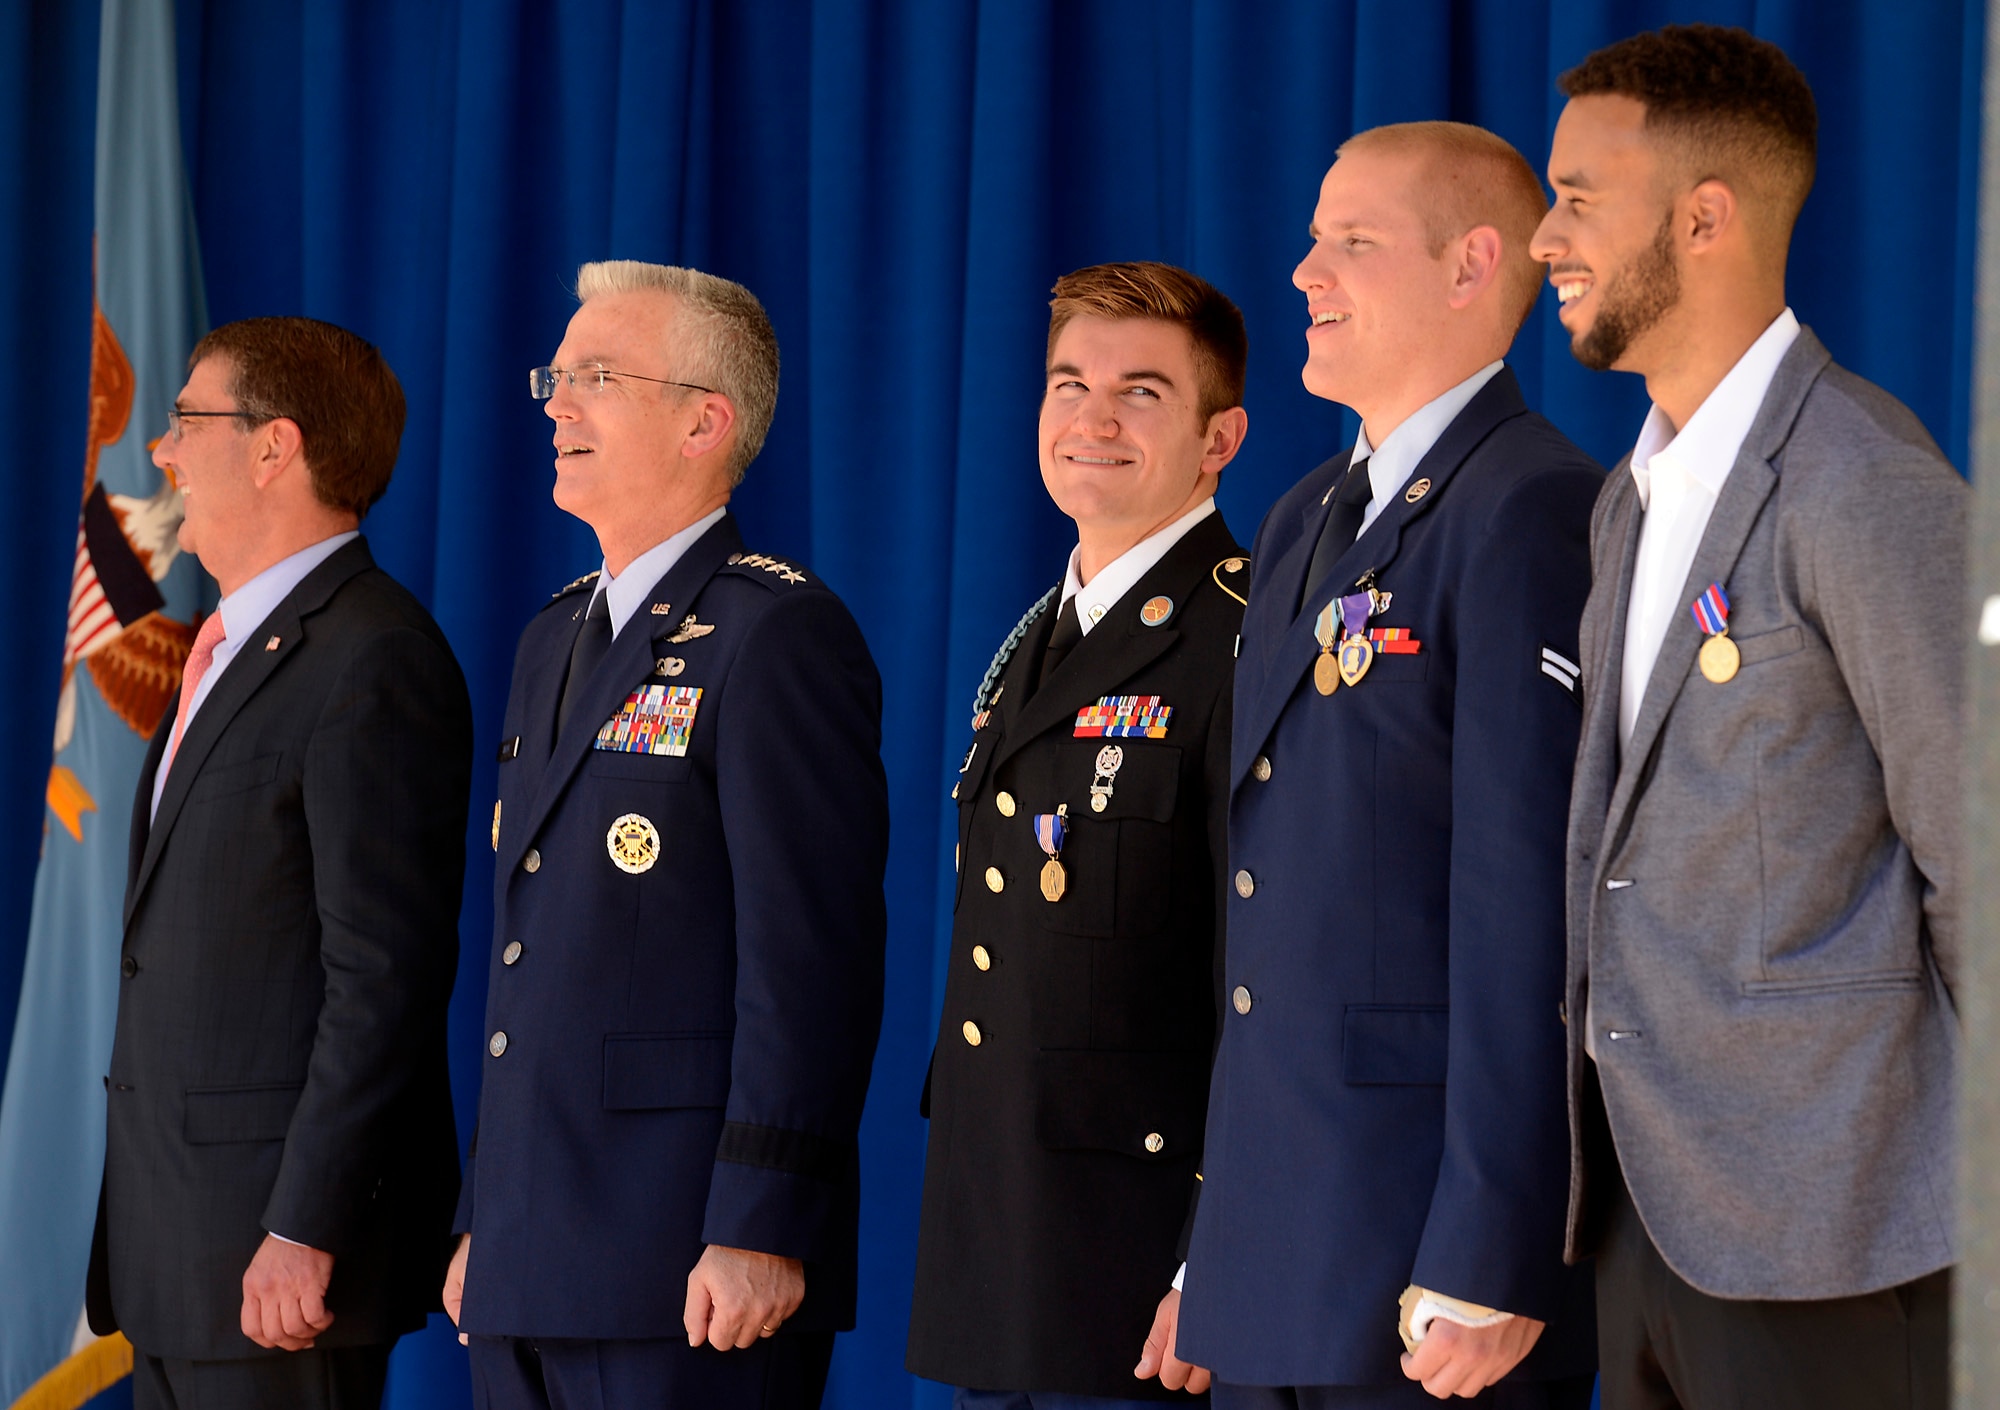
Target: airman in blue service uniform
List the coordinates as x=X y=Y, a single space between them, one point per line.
x=1387 y=1147
x=685 y=987
x=1070 y=1079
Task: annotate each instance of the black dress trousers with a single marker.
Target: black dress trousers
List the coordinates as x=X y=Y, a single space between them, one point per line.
x=1666 y=1345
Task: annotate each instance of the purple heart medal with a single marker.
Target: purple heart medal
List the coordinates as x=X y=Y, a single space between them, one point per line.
x=1356 y=653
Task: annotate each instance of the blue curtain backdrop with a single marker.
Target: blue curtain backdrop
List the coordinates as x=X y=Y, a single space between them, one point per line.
x=900 y=181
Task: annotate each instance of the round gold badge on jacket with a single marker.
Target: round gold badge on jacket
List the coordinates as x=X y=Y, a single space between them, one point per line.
x=634 y=844
x=1417 y=491
x=1156 y=610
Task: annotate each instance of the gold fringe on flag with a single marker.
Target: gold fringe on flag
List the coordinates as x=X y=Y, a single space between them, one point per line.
x=85 y=1373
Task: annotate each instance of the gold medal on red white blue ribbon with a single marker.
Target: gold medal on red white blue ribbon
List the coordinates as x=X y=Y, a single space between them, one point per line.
x=1050 y=830
x=1719 y=656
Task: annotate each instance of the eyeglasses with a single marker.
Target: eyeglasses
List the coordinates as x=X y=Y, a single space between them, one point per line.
x=591 y=377
x=175 y=416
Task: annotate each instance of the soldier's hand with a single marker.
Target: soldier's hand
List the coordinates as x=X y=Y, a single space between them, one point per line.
x=1454 y=1360
x=1158 y=1358
x=454 y=1284
x=284 y=1294
x=736 y=1295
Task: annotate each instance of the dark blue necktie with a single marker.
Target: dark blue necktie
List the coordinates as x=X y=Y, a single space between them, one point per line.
x=1343 y=525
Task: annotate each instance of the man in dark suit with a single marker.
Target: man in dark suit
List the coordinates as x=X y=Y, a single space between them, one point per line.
x=281 y=1162
x=686 y=982
x=1764 y=892
x=1070 y=1081
x=1385 y=1122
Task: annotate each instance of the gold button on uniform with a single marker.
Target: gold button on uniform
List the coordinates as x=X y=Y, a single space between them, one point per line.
x=511 y=953
x=1155 y=1143
x=980 y=959
x=1261 y=769
x=954 y=791
x=532 y=862
x=1245 y=884
x=995 y=881
x=971 y=1032
x=1240 y=997
x=1004 y=801
x=497 y=1044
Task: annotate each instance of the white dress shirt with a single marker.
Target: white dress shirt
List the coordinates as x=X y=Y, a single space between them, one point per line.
x=625 y=593
x=243 y=612
x=1679 y=476
x=1392 y=463
x=1118 y=577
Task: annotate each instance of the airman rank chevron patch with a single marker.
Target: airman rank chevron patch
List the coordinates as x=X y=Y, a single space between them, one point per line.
x=654 y=720
x=1124 y=716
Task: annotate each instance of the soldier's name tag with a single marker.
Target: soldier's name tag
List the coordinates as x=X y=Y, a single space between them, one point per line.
x=655 y=719
x=1124 y=716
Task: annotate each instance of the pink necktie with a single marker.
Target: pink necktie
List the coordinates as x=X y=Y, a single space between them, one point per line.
x=200 y=658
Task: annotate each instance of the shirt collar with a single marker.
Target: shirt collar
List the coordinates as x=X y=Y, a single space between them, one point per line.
x=1391 y=464
x=624 y=594
x=243 y=610
x=1117 y=577
x=1706 y=448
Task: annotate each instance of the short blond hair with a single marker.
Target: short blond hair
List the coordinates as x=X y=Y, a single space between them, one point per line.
x=727 y=340
x=1465 y=177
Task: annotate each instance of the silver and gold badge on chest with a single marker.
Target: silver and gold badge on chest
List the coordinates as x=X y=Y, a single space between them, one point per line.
x=634 y=844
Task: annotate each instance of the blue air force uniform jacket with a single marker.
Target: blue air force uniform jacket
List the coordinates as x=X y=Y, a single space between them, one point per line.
x=1070 y=1080
x=1388 y=1101
x=686 y=982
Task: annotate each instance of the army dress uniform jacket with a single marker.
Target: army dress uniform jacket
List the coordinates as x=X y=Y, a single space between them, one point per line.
x=1387 y=1105
x=686 y=981
x=1070 y=1078
x=291 y=937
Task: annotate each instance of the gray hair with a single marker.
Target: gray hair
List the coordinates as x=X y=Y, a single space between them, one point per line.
x=726 y=339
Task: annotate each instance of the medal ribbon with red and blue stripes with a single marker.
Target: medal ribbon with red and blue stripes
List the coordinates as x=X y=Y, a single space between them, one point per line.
x=1711 y=610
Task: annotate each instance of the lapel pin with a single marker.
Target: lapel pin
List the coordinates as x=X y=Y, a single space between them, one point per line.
x=1156 y=611
x=271 y=645
x=663 y=609
x=1417 y=491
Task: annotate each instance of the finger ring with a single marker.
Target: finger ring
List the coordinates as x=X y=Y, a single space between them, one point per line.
x=768 y=1329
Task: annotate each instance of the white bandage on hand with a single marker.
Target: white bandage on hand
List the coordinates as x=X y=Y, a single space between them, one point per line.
x=1419 y=1307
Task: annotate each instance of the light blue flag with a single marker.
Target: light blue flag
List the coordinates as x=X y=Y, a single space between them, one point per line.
x=133 y=602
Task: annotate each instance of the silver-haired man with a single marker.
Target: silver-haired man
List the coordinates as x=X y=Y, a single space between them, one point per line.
x=686 y=981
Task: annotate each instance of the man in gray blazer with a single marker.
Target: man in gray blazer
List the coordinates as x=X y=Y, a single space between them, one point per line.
x=1763 y=899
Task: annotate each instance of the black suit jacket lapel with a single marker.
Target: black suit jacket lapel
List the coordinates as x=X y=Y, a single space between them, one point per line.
x=248 y=669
